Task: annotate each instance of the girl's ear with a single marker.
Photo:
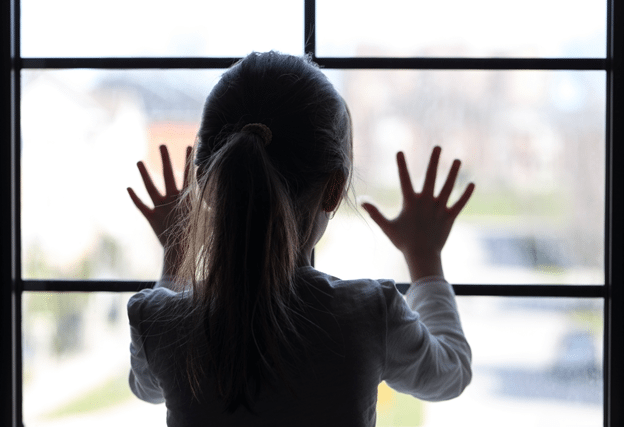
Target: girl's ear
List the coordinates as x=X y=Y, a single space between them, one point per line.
x=333 y=191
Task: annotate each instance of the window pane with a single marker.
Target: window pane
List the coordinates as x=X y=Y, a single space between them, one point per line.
x=533 y=142
x=536 y=362
x=76 y=362
x=83 y=132
x=75 y=28
x=457 y=28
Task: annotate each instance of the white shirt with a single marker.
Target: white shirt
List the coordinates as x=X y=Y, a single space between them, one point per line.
x=368 y=333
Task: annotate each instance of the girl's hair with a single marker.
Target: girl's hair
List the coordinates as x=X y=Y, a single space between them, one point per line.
x=252 y=208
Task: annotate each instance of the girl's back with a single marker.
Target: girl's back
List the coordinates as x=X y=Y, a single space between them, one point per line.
x=350 y=351
x=241 y=329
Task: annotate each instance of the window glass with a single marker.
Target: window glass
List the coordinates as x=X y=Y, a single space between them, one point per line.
x=75 y=28
x=76 y=362
x=457 y=28
x=532 y=141
x=536 y=362
x=83 y=132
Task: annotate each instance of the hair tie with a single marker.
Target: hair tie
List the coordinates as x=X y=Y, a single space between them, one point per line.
x=259 y=129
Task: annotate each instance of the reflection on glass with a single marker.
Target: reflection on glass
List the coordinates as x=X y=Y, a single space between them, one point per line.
x=536 y=362
x=186 y=28
x=456 y=28
x=533 y=142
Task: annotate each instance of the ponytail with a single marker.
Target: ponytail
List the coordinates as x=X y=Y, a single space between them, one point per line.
x=252 y=210
x=243 y=231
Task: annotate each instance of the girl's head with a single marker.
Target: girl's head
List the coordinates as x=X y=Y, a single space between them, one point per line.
x=257 y=209
x=311 y=144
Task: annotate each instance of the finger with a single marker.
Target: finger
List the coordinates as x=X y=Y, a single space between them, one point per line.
x=459 y=205
x=145 y=210
x=170 y=185
x=404 y=176
x=445 y=193
x=377 y=216
x=187 y=167
x=432 y=171
x=149 y=184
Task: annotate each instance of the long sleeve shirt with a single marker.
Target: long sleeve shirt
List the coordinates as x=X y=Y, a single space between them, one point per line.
x=366 y=333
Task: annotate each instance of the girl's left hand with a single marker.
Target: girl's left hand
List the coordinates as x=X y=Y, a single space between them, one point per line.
x=166 y=211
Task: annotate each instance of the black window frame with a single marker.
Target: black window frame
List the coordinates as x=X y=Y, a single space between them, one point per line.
x=12 y=285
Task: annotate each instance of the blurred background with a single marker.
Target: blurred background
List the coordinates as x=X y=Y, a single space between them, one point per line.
x=532 y=141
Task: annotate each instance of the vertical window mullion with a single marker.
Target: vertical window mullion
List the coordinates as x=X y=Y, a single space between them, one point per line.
x=7 y=312
x=309 y=27
x=309 y=42
x=614 y=317
x=10 y=279
x=16 y=214
x=606 y=353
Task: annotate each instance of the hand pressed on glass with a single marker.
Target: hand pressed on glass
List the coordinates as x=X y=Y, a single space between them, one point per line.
x=166 y=211
x=424 y=223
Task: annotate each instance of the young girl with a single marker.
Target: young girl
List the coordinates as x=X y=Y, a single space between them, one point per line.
x=241 y=329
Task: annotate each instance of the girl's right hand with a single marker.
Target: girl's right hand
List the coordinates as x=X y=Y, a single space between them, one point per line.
x=424 y=223
x=166 y=211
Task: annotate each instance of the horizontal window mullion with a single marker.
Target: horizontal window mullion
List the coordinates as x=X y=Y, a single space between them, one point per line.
x=128 y=63
x=465 y=63
x=85 y=285
x=565 y=291
x=334 y=63
x=572 y=291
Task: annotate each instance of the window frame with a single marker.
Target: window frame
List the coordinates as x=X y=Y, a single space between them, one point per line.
x=12 y=285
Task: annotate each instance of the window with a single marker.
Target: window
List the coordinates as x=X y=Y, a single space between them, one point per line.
x=536 y=119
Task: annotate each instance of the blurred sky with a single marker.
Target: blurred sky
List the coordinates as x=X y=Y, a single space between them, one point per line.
x=543 y=28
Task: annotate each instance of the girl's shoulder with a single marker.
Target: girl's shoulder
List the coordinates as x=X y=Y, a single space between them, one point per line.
x=155 y=302
x=314 y=275
x=157 y=296
x=373 y=290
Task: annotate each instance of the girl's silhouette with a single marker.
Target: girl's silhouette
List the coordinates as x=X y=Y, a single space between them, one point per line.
x=241 y=329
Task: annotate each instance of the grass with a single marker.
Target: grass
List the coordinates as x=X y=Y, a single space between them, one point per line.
x=590 y=320
x=550 y=204
x=398 y=409
x=112 y=392
x=393 y=408
x=494 y=203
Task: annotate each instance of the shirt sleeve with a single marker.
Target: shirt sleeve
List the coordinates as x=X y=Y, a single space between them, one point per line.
x=427 y=354
x=143 y=383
